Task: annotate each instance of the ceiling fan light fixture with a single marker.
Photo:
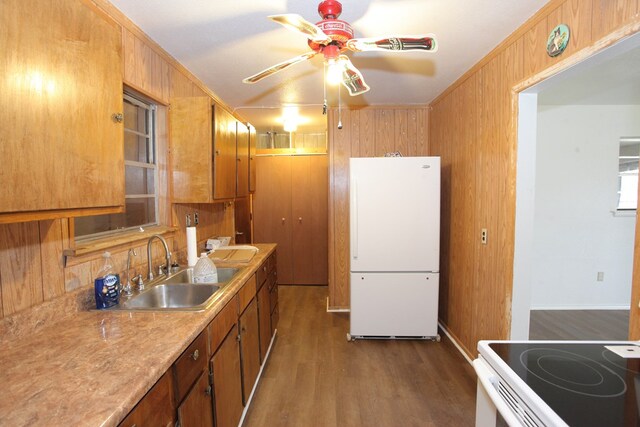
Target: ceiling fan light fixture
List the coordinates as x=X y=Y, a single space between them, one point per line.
x=334 y=72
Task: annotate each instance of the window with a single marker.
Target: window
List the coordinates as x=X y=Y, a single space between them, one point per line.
x=628 y=158
x=141 y=175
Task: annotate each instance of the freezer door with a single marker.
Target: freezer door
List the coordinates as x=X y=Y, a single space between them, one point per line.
x=395 y=214
x=394 y=305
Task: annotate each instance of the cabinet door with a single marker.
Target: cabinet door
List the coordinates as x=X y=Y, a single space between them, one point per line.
x=190 y=123
x=156 y=408
x=252 y=158
x=264 y=320
x=309 y=209
x=242 y=157
x=227 y=382
x=196 y=409
x=249 y=348
x=224 y=159
x=242 y=213
x=272 y=220
x=61 y=84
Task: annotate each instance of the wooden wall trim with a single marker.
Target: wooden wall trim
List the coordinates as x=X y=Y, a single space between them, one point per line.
x=581 y=55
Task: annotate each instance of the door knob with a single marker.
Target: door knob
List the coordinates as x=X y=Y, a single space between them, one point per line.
x=300 y=219
x=283 y=219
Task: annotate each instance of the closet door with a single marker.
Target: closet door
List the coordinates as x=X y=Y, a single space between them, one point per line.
x=272 y=210
x=309 y=205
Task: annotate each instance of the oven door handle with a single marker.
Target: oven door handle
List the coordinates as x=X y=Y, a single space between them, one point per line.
x=488 y=381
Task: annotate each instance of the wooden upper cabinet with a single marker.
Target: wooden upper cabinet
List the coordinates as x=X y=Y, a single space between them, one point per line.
x=242 y=156
x=252 y=158
x=224 y=157
x=62 y=150
x=190 y=124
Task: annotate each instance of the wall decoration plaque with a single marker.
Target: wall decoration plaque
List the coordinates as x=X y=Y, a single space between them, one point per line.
x=558 y=40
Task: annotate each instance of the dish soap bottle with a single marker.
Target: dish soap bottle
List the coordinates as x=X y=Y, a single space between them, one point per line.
x=107 y=285
x=205 y=270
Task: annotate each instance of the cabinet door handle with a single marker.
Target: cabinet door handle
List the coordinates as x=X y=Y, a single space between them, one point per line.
x=207 y=391
x=239 y=233
x=300 y=219
x=283 y=220
x=195 y=355
x=117 y=117
x=238 y=338
x=217 y=152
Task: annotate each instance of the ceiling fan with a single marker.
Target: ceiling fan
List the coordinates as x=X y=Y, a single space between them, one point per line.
x=331 y=37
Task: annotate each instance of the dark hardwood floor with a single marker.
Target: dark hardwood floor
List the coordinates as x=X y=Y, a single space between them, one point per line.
x=314 y=377
x=579 y=325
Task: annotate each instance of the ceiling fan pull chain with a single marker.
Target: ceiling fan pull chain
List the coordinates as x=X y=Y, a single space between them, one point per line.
x=324 y=89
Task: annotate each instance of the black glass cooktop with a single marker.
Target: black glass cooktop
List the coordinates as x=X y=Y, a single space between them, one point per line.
x=585 y=384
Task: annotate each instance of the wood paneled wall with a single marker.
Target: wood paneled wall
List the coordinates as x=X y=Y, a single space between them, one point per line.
x=473 y=129
x=32 y=269
x=366 y=132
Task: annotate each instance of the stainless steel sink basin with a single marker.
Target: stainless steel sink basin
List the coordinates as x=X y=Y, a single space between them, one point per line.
x=172 y=297
x=177 y=292
x=225 y=274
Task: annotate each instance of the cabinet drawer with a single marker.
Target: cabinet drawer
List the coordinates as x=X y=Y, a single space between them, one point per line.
x=261 y=273
x=275 y=316
x=272 y=261
x=189 y=365
x=246 y=293
x=156 y=407
x=222 y=323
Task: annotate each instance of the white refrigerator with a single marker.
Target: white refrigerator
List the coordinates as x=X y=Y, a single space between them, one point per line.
x=394 y=247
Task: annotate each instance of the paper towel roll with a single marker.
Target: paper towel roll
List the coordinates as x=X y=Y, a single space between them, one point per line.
x=192 y=243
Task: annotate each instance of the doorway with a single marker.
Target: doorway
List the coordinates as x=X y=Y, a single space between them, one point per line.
x=574 y=249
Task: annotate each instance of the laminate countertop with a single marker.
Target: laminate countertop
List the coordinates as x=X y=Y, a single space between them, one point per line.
x=92 y=367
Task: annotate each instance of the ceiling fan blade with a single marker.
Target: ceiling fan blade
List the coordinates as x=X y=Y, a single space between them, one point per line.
x=278 y=67
x=297 y=23
x=352 y=77
x=425 y=42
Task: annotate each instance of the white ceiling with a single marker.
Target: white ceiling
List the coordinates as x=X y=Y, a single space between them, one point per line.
x=223 y=41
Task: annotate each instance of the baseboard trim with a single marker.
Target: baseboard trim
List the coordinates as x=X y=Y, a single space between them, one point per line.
x=337 y=309
x=255 y=385
x=455 y=343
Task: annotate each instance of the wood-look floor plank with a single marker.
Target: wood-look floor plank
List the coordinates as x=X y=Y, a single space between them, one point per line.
x=314 y=377
x=579 y=325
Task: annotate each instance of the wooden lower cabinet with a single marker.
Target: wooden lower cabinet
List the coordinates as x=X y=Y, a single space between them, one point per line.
x=227 y=385
x=211 y=382
x=195 y=410
x=191 y=379
x=156 y=408
x=249 y=348
x=264 y=320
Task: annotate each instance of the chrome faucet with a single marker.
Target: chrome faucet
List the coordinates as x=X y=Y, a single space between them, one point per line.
x=166 y=252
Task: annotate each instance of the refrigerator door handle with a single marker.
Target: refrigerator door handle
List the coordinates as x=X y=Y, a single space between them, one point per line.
x=354 y=232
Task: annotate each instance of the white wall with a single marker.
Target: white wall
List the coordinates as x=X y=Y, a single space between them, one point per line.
x=575 y=234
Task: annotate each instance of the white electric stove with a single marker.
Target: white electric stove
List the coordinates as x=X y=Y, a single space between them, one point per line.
x=557 y=383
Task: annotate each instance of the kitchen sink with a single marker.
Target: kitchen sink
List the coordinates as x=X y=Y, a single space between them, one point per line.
x=177 y=292
x=225 y=274
x=179 y=296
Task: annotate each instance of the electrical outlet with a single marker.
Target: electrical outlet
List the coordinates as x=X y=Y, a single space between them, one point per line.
x=483 y=236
